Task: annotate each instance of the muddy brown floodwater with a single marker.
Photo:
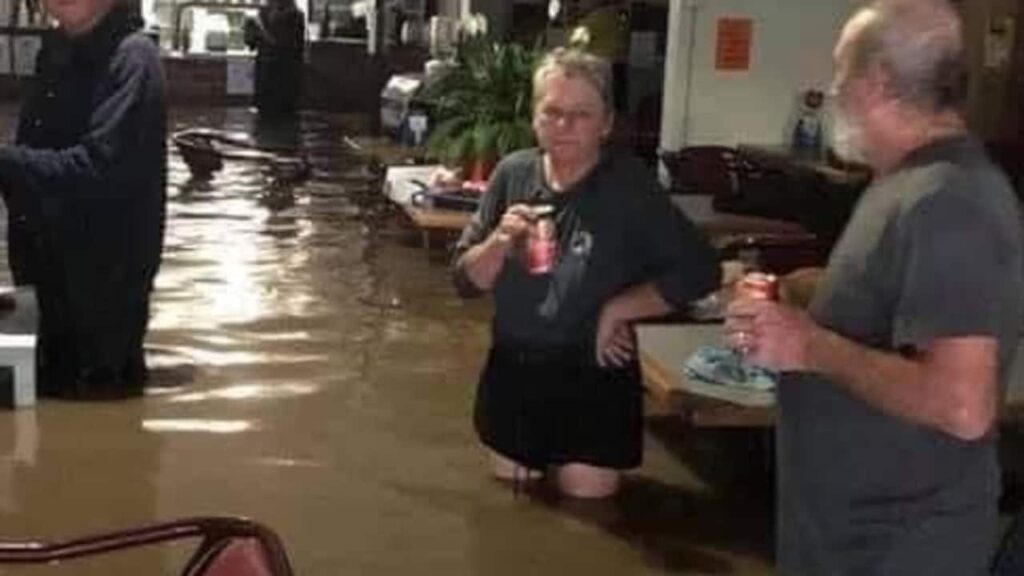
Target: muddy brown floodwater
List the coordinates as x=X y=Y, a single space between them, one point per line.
x=313 y=369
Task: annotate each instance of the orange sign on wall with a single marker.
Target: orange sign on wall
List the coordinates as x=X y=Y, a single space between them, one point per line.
x=735 y=36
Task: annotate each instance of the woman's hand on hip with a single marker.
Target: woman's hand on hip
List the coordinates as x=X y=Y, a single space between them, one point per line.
x=615 y=346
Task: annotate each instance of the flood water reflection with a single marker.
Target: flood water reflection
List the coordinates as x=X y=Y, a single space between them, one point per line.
x=314 y=370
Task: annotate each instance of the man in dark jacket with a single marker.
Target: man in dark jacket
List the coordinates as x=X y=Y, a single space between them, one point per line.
x=85 y=191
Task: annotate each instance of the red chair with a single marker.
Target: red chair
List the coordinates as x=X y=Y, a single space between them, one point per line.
x=228 y=546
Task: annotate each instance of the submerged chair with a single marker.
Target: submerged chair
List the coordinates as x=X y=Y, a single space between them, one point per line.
x=228 y=546
x=204 y=150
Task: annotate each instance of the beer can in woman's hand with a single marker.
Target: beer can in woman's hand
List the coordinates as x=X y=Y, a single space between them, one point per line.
x=542 y=242
x=758 y=286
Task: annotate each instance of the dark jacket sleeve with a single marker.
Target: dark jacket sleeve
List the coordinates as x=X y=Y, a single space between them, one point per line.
x=676 y=255
x=492 y=207
x=108 y=141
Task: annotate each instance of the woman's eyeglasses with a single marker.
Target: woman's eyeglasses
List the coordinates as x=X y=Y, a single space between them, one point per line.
x=550 y=116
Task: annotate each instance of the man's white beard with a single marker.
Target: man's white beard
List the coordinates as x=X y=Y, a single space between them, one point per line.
x=848 y=138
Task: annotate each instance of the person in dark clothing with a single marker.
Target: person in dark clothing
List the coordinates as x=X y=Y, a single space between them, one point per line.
x=278 y=35
x=560 y=387
x=84 y=186
x=891 y=384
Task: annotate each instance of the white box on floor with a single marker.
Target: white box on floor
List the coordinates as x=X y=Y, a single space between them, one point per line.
x=18 y=347
x=19 y=352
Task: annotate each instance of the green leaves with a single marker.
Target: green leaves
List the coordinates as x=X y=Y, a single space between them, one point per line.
x=483 y=105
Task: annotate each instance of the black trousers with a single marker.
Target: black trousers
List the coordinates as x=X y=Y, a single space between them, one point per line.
x=93 y=314
x=91 y=346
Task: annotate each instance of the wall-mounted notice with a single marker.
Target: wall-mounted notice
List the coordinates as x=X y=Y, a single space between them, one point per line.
x=733 y=44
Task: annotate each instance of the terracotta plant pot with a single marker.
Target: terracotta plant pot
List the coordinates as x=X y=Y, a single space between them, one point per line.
x=478 y=170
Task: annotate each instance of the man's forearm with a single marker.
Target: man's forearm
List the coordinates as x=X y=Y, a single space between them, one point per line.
x=916 y=389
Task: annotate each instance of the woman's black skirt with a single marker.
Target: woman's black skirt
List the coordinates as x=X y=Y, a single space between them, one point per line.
x=553 y=406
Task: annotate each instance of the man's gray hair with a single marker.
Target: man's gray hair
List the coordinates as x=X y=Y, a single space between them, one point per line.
x=576 y=63
x=919 y=44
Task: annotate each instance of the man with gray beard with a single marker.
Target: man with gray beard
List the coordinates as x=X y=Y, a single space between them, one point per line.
x=890 y=384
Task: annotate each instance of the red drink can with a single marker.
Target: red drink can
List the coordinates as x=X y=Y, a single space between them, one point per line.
x=758 y=286
x=541 y=246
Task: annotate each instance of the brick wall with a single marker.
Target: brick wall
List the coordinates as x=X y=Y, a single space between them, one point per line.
x=197 y=81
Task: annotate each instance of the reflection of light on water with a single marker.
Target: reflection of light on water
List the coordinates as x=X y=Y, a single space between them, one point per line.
x=216 y=358
x=248 y=392
x=218 y=339
x=196 y=425
x=163 y=391
x=230 y=273
x=229 y=261
x=237 y=296
x=284 y=337
x=290 y=463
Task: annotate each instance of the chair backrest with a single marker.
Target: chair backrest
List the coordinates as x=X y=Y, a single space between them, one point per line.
x=705 y=170
x=762 y=190
x=240 y=557
x=229 y=546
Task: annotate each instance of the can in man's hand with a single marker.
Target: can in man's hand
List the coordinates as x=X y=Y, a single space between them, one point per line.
x=758 y=286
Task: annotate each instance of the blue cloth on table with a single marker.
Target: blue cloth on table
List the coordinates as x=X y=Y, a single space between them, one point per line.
x=725 y=366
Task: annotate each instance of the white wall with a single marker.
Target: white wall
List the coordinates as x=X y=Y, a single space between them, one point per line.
x=791 y=52
x=498 y=12
x=448 y=8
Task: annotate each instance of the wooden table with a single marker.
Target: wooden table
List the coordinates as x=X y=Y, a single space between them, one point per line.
x=400 y=185
x=787 y=158
x=432 y=220
x=723 y=228
x=664 y=348
x=720 y=227
x=698 y=208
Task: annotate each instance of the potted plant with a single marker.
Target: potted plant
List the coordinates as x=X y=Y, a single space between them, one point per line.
x=482 y=105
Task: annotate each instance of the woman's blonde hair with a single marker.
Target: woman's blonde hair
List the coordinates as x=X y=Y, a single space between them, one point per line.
x=576 y=63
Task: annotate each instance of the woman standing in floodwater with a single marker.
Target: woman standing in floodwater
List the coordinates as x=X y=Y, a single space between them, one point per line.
x=561 y=386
